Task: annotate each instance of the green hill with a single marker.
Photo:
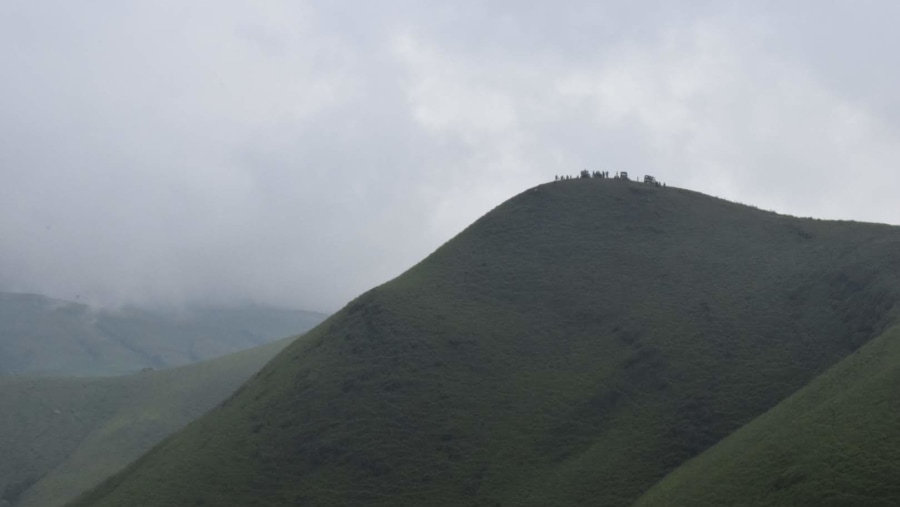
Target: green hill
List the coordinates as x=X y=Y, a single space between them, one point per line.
x=573 y=346
x=835 y=442
x=40 y=335
x=61 y=436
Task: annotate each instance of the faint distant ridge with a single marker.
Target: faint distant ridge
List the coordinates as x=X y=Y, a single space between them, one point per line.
x=42 y=335
x=61 y=436
x=587 y=342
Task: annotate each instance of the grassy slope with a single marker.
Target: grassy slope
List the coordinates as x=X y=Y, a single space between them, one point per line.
x=62 y=436
x=835 y=442
x=573 y=346
x=40 y=335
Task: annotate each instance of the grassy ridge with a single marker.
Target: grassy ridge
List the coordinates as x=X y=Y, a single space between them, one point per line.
x=573 y=346
x=62 y=436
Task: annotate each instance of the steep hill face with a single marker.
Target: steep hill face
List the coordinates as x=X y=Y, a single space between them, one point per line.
x=41 y=335
x=571 y=347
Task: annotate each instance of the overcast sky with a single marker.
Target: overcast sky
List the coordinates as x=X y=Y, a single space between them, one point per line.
x=298 y=153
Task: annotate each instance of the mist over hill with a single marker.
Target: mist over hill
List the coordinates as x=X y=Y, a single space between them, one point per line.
x=574 y=346
x=41 y=335
x=63 y=435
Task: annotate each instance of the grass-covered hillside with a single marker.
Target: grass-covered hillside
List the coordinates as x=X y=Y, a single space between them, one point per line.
x=40 y=335
x=833 y=443
x=62 y=436
x=572 y=347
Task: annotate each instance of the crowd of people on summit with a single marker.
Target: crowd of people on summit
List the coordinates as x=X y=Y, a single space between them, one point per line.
x=622 y=175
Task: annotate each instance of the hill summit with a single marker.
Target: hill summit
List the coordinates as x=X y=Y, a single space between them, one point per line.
x=574 y=346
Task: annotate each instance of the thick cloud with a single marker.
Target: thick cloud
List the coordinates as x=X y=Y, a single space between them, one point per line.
x=299 y=153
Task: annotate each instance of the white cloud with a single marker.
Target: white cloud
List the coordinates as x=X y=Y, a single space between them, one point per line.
x=448 y=96
x=301 y=152
x=721 y=115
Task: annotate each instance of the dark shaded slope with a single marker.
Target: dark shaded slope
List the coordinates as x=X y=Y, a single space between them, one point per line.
x=572 y=346
x=833 y=443
x=62 y=436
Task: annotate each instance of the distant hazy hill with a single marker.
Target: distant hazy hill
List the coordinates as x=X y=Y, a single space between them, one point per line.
x=61 y=436
x=575 y=346
x=48 y=336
